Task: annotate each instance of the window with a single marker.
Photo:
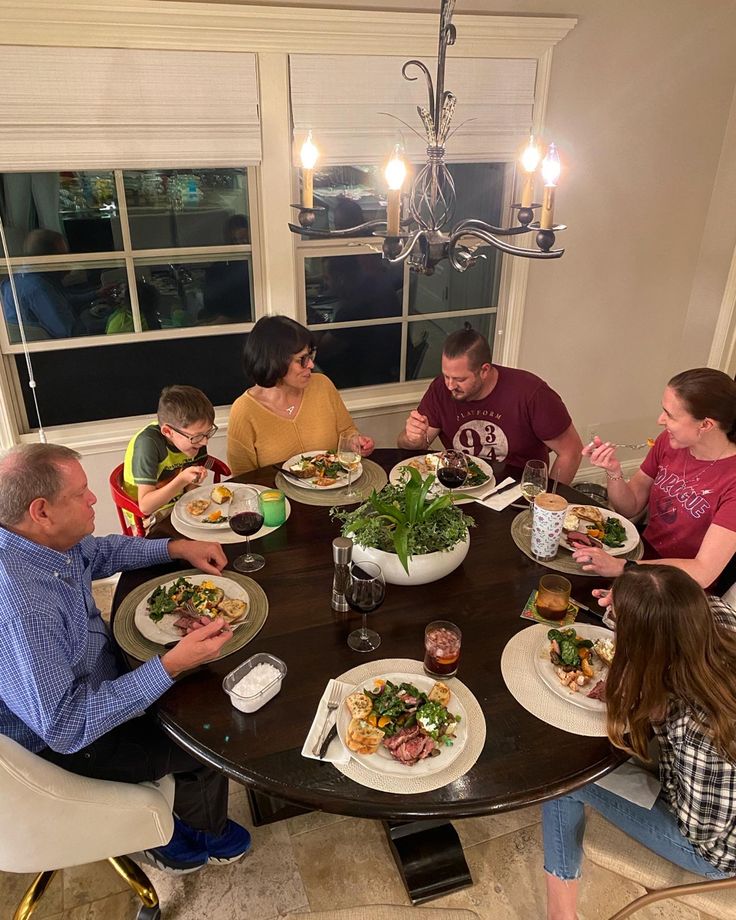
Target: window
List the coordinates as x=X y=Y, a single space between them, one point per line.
x=380 y=323
x=115 y=258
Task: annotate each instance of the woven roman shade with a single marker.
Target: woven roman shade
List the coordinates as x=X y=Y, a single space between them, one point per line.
x=341 y=98
x=95 y=108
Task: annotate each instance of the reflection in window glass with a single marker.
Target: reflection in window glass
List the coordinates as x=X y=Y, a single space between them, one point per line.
x=448 y=289
x=426 y=338
x=80 y=208
x=351 y=195
x=63 y=301
x=345 y=288
x=360 y=357
x=169 y=208
x=201 y=293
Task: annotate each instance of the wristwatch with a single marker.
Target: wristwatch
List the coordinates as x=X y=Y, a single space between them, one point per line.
x=630 y=564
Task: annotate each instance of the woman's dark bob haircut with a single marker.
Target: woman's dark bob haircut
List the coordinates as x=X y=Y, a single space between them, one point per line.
x=271 y=346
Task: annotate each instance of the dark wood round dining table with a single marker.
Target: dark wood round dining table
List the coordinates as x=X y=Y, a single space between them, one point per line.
x=524 y=760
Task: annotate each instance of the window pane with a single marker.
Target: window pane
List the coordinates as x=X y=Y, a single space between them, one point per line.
x=169 y=208
x=194 y=293
x=129 y=377
x=448 y=289
x=426 y=338
x=360 y=357
x=67 y=300
x=78 y=211
x=342 y=289
x=351 y=194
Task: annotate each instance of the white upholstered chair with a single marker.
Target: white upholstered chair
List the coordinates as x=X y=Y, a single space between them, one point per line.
x=608 y=846
x=52 y=819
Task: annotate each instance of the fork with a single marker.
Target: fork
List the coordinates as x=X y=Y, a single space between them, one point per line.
x=333 y=702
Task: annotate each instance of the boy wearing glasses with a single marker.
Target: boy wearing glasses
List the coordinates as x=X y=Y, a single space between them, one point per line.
x=165 y=458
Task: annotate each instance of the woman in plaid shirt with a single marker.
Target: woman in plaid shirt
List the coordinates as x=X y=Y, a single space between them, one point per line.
x=673 y=677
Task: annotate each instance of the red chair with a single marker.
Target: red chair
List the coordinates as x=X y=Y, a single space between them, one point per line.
x=123 y=501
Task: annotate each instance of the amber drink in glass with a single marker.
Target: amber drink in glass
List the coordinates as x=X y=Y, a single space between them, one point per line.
x=442 y=641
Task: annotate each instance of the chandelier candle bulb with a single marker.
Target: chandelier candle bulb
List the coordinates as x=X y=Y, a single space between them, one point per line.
x=395 y=175
x=551 y=174
x=529 y=161
x=309 y=154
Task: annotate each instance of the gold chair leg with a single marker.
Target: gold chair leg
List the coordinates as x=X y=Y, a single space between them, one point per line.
x=677 y=891
x=33 y=895
x=136 y=878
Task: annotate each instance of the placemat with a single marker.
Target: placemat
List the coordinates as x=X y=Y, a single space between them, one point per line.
x=131 y=641
x=372 y=477
x=528 y=689
x=563 y=561
x=476 y=737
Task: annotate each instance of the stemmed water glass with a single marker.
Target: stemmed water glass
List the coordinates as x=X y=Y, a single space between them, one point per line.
x=533 y=481
x=348 y=453
x=365 y=592
x=452 y=469
x=246 y=518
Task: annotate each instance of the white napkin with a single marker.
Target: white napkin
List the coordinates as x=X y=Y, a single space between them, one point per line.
x=336 y=752
x=633 y=783
x=499 y=502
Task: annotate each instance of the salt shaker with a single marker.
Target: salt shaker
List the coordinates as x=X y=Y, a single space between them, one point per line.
x=342 y=551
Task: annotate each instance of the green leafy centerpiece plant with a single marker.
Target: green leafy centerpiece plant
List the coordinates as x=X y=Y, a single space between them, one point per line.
x=401 y=520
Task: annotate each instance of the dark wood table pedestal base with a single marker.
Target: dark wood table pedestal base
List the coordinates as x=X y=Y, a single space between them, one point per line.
x=428 y=854
x=429 y=857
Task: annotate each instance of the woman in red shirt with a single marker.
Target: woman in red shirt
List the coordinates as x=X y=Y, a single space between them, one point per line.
x=687 y=481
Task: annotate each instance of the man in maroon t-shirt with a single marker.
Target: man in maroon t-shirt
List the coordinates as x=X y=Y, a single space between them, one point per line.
x=498 y=413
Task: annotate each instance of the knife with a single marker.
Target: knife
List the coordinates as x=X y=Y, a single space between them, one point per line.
x=598 y=614
x=326 y=743
x=504 y=487
x=285 y=472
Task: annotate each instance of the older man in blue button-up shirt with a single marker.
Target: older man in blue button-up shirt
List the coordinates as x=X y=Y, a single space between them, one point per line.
x=62 y=693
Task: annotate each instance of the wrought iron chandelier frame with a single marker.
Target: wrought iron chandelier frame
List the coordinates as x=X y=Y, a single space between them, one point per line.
x=423 y=240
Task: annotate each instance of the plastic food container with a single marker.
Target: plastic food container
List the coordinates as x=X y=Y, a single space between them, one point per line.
x=260 y=697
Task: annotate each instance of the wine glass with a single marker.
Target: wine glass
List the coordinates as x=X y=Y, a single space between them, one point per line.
x=348 y=453
x=452 y=469
x=365 y=592
x=533 y=481
x=246 y=518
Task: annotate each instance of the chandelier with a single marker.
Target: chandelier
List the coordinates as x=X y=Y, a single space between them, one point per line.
x=426 y=236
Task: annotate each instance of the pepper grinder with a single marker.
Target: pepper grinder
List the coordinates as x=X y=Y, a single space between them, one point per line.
x=342 y=551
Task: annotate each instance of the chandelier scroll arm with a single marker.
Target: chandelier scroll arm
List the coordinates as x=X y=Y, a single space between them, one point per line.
x=472 y=225
x=331 y=234
x=394 y=255
x=430 y=85
x=494 y=241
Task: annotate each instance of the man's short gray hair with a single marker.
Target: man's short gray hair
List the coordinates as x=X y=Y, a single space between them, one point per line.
x=27 y=472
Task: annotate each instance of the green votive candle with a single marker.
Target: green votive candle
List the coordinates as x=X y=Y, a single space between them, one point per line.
x=273 y=507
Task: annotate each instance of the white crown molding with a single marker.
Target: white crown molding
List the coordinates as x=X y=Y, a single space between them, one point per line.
x=207 y=26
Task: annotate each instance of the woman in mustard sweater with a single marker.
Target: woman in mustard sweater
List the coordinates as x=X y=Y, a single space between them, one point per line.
x=289 y=409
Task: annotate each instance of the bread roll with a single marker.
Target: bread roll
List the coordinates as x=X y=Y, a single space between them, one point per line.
x=197 y=507
x=221 y=494
x=440 y=693
x=232 y=609
x=362 y=737
x=359 y=705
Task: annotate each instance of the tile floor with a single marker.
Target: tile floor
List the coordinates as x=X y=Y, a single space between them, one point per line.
x=320 y=861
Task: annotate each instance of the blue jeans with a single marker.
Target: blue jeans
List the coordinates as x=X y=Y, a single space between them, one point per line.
x=563 y=826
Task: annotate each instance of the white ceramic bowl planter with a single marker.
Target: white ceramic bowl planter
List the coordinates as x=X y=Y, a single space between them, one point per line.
x=422 y=569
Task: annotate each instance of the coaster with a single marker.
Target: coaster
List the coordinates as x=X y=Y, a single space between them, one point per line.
x=530 y=613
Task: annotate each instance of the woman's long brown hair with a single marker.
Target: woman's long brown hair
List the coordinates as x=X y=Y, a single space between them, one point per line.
x=669 y=647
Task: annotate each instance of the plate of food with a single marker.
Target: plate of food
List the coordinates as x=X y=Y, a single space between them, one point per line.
x=206 y=506
x=403 y=724
x=588 y=525
x=319 y=469
x=574 y=662
x=480 y=474
x=163 y=615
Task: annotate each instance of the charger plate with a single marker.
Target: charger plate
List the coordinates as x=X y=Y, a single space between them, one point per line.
x=411 y=783
x=373 y=477
x=529 y=690
x=131 y=641
x=563 y=561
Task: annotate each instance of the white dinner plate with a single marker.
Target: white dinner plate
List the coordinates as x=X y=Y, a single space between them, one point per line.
x=164 y=630
x=382 y=761
x=546 y=670
x=179 y=515
x=394 y=477
x=204 y=492
x=632 y=534
x=342 y=481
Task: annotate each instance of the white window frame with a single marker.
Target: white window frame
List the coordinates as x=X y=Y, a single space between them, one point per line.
x=273 y=33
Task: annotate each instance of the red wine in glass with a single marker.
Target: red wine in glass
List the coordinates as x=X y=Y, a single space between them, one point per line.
x=246 y=518
x=365 y=593
x=451 y=478
x=452 y=469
